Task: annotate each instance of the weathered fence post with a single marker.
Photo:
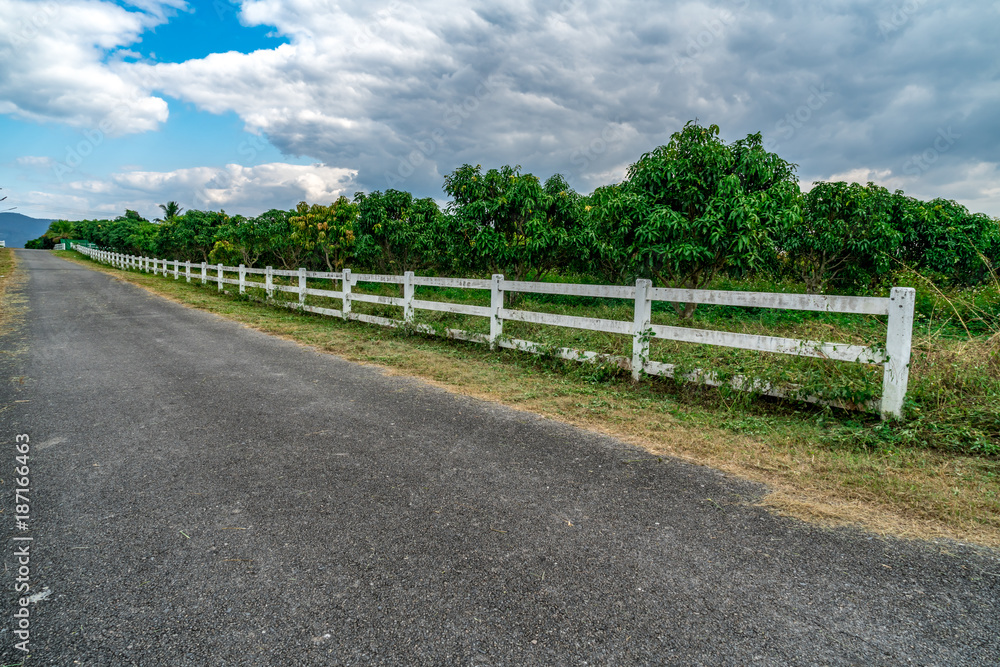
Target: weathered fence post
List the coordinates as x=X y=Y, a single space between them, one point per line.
x=345 y=287
x=302 y=287
x=496 y=305
x=187 y=270
x=408 y=289
x=641 y=321
x=269 y=282
x=177 y=269
x=898 y=343
x=219 y=267
x=243 y=279
x=204 y=272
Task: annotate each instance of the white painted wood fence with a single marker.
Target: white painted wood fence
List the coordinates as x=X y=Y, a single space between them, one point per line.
x=894 y=358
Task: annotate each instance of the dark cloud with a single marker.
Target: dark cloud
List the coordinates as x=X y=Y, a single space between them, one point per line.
x=402 y=94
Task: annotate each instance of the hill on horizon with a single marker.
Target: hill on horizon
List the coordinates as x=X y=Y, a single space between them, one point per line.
x=17 y=229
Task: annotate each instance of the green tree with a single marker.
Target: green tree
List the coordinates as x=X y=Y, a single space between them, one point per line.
x=607 y=245
x=394 y=231
x=846 y=235
x=190 y=236
x=703 y=205
x=942 y=237
x=503 y=217
x=170 y=210
x=327 y=231
x=59 y=230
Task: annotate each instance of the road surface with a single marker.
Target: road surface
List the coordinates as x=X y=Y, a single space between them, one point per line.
x=205 y=494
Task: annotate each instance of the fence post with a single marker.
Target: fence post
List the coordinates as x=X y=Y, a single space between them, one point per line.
x=269 y=282
x=177 y=269
x=496 y=305
x=187 y=270
x=204 y=272
x=898 y=342
x=302 y=287
x=641 y=321
x=408 y=289
x=345 y=287
x=243 y=279
x=220 y=275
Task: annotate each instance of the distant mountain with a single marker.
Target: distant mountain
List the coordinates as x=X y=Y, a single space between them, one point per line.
x=16 y=229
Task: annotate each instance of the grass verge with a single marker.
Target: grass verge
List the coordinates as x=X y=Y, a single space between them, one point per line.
x=11 y=305
x=814 y=468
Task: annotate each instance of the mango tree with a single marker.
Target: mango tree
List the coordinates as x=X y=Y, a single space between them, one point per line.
x=190 y=236
x=703 y=205
x=846 y=235
x=943 y=238
x=326 y=231
x=395 y=232
x=502 y=219
x=607 y=244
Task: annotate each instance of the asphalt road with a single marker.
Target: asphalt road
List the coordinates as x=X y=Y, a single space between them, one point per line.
x=204 y=494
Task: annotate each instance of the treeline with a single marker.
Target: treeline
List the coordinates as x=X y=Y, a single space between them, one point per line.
x=685 y=213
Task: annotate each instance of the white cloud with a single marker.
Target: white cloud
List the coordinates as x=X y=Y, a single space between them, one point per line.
x=238 y=189
x=235 y=188
x=52 y=64
x=241 y=188
x=35 y=161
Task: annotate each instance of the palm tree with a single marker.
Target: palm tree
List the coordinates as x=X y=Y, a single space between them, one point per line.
x=61 y=229
x=170 y=210
x=5 y=197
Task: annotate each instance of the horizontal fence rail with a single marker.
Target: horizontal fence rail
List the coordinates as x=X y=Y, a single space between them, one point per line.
x=894 y=357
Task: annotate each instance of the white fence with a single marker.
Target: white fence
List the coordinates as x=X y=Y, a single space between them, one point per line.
x=895 y=357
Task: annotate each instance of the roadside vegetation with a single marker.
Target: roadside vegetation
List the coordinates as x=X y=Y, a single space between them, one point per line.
x=9 y=309
x=697 y=213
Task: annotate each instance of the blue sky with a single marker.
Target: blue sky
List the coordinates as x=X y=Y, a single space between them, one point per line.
x=258 y=104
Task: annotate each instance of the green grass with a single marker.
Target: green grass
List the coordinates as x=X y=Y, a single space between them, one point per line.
x=9 y=313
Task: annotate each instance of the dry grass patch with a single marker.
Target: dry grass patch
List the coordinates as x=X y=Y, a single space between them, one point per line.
x=11 y=302
x=912 y=493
